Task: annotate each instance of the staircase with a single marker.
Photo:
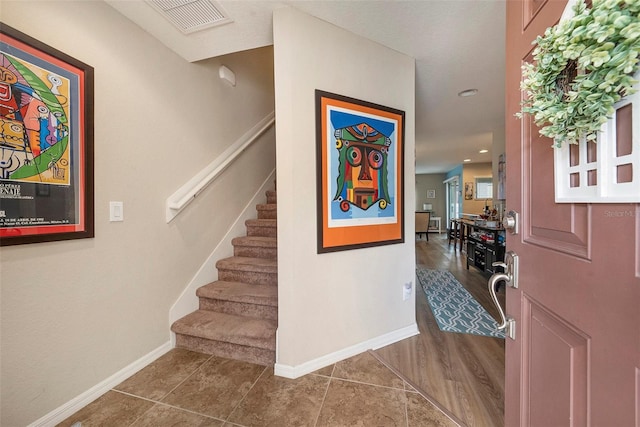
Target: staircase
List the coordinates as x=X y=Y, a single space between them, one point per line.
x=238 y=313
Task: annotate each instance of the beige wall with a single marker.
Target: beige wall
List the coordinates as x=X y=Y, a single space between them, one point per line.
x=469 y=173
x=432 y=181
x=331 y=301
x=74 y=313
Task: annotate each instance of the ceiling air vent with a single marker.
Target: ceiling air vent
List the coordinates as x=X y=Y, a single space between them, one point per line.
x=191 y=15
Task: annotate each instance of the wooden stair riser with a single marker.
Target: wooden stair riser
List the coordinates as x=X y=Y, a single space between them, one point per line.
x=240 y=308
x=249 y=354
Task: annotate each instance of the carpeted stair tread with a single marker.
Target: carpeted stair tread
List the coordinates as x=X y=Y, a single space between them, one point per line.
x=272 y=196
x=238 y=263
x=267 y=211
x=262 y=227
x=238 y=313
x=262 y=222
x=256 y=241
x=267 y=207
x=240 y=292
x=262 y=231
x=239 y=330
x=256 y=246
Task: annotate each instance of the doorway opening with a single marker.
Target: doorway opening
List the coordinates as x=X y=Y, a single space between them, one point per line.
x=453 y=196
x=460 y=373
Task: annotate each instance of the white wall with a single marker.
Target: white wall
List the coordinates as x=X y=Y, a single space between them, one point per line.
x=74 y=313
x=334 y=301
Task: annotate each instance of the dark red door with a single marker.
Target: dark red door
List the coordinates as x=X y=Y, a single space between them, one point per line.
x=576 y=357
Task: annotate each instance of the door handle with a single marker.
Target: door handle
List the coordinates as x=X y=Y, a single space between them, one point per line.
x=510 y=266
x=510 y=277
x=495 y=278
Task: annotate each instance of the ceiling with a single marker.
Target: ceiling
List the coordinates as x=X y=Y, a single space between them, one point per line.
x=457 y=44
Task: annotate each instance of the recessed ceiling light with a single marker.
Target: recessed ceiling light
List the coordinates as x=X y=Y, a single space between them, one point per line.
x=484 y=151
x=467 y=92
x=466 y=160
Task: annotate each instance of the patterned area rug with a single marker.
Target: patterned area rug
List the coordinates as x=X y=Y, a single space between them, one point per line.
x=453 y=306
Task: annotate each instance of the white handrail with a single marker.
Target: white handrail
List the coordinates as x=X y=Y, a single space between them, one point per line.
x=185 y=194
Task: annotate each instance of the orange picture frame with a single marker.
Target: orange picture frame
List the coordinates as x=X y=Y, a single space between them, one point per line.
x=360 y=173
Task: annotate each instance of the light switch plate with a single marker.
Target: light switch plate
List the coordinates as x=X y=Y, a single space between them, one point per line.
x=116 y=211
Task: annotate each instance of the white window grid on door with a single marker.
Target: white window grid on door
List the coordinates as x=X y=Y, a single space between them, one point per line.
x=594 y=179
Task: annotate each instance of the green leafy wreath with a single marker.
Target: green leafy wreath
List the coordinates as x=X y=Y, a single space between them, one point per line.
x=583 y=66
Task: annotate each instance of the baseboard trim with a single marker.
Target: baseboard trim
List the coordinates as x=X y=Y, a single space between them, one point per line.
x=297 y=371
x=74 y=405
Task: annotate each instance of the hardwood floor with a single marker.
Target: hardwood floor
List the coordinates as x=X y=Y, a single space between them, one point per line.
x=462 y=374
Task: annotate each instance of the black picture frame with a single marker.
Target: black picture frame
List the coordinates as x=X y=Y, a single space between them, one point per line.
x=46 y=142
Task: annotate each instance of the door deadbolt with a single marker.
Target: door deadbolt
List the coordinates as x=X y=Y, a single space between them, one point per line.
x=511 y=222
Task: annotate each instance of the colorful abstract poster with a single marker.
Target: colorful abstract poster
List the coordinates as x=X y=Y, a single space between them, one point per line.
x=360 y=148
x=46 y=147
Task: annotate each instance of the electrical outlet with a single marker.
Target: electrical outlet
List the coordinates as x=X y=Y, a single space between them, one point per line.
x=407 y=289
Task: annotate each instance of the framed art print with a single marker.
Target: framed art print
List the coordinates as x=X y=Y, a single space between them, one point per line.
x=468 y=190
x=360 y=173
x=46 y=142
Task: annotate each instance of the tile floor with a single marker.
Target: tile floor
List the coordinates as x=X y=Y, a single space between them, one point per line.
x=184 y=388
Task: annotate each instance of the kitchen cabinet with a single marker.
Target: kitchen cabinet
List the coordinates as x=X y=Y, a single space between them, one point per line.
x=485 y=245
